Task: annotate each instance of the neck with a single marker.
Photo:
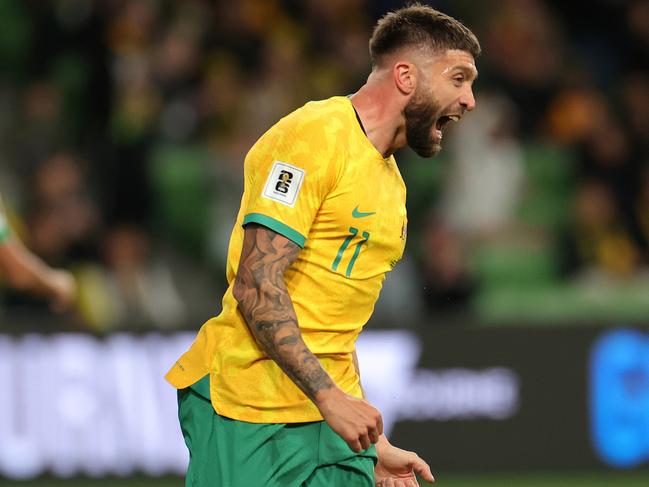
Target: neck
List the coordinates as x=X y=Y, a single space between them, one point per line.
x=381 y=116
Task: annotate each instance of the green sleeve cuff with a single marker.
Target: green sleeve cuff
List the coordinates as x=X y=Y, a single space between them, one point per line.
x=276 y=226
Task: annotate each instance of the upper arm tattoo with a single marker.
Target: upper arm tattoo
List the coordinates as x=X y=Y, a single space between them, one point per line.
x=266 y=306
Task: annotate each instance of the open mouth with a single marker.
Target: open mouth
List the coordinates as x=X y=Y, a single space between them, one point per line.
x=443 y=121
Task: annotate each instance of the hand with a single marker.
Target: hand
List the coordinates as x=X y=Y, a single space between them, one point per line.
x=397 y=467
x=63 y=290
x=355 y=420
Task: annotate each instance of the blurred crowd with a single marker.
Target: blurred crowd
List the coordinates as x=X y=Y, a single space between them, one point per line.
x=124 y=123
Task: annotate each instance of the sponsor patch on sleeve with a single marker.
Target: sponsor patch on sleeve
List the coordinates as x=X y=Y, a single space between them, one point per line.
x=284 y=183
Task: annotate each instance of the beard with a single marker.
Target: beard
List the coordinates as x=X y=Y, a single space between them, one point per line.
x=420 y=114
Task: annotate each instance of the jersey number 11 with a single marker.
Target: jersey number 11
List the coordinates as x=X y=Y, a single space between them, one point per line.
x=343 y=247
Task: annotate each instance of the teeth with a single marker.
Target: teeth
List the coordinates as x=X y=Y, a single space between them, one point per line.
x=455 y=118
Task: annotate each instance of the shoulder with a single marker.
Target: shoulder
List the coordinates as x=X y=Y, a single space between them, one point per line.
x=323 y=121
x=312 y=136
x=318 y=115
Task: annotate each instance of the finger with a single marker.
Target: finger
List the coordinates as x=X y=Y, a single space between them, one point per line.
x=365 y=441
x=422 y=469
x=374 y=435
x=412 y=483
x=389 y=482
x=355 y=445
x=379 y=425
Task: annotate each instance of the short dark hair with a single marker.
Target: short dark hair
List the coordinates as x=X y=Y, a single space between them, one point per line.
x=420 y=26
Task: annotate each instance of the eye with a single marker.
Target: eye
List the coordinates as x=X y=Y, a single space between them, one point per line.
x=458 y=80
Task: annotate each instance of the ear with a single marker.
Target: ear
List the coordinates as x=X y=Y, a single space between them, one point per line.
x=405 y=77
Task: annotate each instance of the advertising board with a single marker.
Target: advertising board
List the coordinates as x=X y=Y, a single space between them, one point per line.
x=463 y=398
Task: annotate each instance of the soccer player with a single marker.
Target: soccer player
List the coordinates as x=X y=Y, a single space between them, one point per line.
x=270 y=392
x=24 y=271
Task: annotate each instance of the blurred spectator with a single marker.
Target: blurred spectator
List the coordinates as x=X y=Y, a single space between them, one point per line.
x=637 y=18
x=448 y=284
x=25 y=272
x=486 y=169
x=635 y=93
x=527 y=66
x=608 y=155
x=573 y=113
x=63 y=220
x=141 y=288
x=597 y=243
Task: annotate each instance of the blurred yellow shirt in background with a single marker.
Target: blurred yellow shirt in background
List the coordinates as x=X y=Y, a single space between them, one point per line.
x=315 y=178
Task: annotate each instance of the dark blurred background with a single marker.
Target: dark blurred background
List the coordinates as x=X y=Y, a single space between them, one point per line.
x=124 y=124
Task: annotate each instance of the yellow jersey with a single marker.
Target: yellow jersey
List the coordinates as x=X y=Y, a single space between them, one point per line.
x=315 y=178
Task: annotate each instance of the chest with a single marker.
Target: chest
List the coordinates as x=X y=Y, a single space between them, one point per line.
x=364 y=219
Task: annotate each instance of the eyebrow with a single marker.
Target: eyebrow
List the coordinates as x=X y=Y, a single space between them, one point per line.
x=473 y=72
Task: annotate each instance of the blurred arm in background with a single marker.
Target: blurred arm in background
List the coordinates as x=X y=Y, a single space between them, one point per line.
x=26 y=272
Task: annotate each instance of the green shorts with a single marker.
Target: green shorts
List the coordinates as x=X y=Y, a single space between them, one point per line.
x=227 y=453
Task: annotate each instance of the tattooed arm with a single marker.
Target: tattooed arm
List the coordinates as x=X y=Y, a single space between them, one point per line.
x=264 y=301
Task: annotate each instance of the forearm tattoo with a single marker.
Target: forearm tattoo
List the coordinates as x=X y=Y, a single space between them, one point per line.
x=268 y=310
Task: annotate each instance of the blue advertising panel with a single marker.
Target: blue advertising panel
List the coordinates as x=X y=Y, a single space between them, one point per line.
x=620 y=398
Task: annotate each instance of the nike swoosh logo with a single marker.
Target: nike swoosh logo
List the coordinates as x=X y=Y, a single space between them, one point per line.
x=359 y=214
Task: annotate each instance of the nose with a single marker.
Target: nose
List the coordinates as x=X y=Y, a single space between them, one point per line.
x=467 y=100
